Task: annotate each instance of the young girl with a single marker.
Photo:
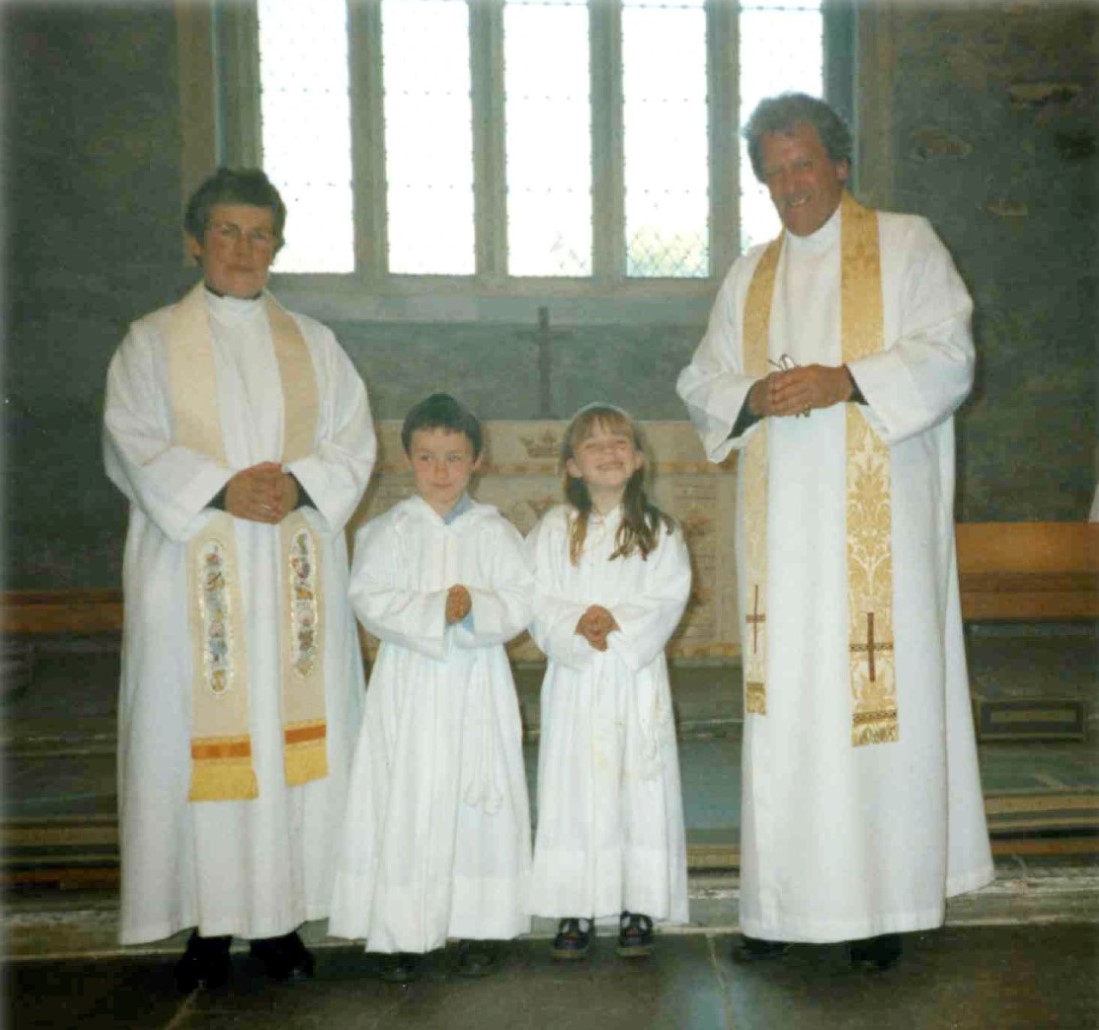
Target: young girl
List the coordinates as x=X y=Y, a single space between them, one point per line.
x=612 y=577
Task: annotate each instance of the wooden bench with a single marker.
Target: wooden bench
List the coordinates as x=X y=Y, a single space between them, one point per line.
x=57 y=612
x=1029 y=571
x=1008 y=571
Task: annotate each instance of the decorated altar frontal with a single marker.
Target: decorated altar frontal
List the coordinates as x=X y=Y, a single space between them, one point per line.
x=521 y=476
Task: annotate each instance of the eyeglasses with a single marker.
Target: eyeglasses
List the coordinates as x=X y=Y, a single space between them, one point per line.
x=232 y=233
x=785 y=364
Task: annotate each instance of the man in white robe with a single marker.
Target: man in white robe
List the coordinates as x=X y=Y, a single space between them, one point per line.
x=228 y=421
x=862 y=807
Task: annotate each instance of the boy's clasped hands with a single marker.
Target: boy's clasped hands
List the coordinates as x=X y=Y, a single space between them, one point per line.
x=458 y=603
x=595 y=625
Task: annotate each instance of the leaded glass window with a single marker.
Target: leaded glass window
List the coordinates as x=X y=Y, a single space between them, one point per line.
x=519 y=140
x=548 y=138
x=428 y=136
x=307 y=129
x=666 y=148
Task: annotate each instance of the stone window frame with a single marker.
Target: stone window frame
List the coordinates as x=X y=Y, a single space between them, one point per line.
x=219 y=99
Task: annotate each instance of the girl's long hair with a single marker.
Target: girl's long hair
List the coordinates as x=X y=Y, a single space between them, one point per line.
x=639 y=529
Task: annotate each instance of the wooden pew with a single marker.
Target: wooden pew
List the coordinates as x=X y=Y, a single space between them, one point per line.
x=1029 y=571
x=1008 y=571
x=58 y=612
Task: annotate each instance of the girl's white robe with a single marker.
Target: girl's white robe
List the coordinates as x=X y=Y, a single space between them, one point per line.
x=610 y=812
x=255 y=868
x=842 y=842
x=437 y=833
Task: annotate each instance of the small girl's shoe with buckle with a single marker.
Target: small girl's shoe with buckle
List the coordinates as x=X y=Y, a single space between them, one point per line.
x=573 y=939
x=635 y=935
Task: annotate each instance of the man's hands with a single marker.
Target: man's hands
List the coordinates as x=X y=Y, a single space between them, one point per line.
x=799 y=390
x=595 y=625
x=458 y=603
x=262 y=493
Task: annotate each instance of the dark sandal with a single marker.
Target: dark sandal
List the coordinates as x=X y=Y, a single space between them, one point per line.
x=572 y=940
x=635 y=935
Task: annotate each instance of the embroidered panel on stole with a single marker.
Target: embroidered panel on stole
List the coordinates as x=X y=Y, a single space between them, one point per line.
x=868 y=490
x=221 y=751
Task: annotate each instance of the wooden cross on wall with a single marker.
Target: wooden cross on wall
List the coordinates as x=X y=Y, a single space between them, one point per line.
x=543 y=336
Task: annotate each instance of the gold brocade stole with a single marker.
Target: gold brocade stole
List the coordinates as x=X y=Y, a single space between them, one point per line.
x=868 y=505
x=221 y=748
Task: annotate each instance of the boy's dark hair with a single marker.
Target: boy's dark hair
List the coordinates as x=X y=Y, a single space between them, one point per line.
x=441 y=411
x=234 y=186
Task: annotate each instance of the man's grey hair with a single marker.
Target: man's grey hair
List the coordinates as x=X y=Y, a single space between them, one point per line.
x=782 y=114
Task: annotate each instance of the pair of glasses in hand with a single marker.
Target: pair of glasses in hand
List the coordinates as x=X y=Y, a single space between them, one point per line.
x=785 y=364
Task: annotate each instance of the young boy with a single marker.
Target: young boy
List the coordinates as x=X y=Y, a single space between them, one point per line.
x=436 y=838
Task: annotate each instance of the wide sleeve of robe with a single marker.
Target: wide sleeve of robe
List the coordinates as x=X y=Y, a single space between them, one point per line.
x=921 y=377
x=336 y=472
x=647 y=620
x=169 y=483
x=555 y=614
x=714 y=386
x=380 y=593
x=501 y=607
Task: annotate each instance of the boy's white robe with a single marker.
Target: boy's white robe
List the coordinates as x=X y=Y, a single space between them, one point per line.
x=610 y=811
x=255 y=868
x=841 y=842
x=436 y=840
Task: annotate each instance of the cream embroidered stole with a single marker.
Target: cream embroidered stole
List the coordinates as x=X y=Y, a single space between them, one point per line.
x=869 y=530
x=221 y=749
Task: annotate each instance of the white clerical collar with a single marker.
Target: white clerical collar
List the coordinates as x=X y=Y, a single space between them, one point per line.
x=826 y=236
x=232 y=309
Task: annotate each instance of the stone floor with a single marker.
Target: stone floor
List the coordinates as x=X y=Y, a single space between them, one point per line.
x=958 y=978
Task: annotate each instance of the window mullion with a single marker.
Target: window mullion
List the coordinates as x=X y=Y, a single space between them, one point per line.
x=239 y=125
x=364 y=55
x=486 y=53
x=723 y=71
x=839 y=28
x=607 y=150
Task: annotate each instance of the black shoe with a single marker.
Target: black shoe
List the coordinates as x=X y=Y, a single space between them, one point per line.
x=476 y=958
x=876 y=953
x=756 y=949
x=205 y=963
x=573 y=939
x=285 y=958
x=400 y=967
x=635 y=935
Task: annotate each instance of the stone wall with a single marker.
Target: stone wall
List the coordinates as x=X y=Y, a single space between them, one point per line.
x=995 y=122
x=991 y=133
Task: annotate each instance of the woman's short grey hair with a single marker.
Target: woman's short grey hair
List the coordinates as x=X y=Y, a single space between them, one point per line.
x=234 y=186
x=782 y=114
